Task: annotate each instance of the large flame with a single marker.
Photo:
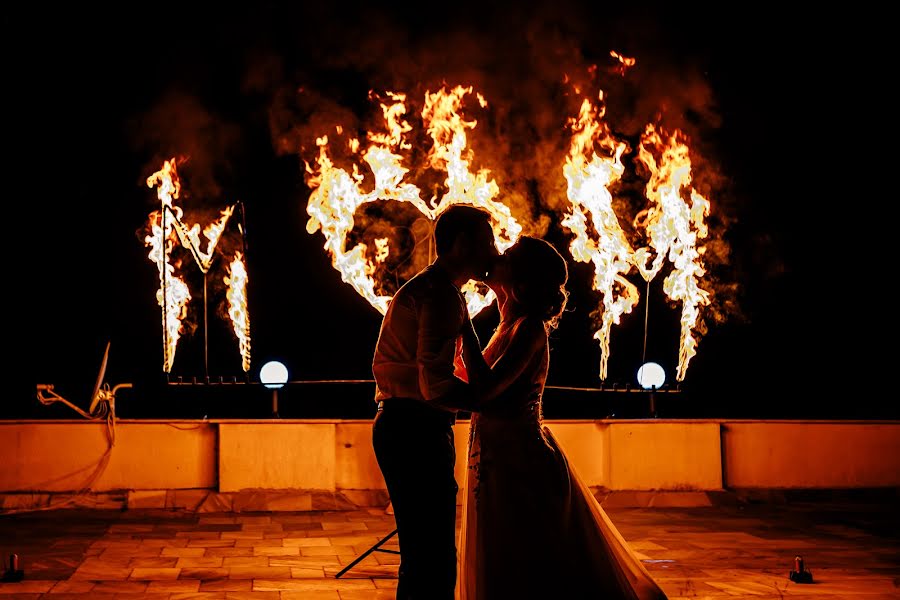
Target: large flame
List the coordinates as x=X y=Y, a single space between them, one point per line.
x=173 y=294
x=674 y=227
x=337 y=194
x=167 y=229
x=236 y=280
x=593 y=164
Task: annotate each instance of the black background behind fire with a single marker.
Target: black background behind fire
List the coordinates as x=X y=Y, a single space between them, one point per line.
x=99 y=99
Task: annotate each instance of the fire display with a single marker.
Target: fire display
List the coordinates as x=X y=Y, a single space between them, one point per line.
x=375 y=259
x=168 y=231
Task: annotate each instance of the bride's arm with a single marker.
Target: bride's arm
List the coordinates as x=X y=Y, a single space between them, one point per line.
x=489 y=381
x=475 y=366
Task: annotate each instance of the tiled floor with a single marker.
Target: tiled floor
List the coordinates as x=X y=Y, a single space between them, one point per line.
x=732 y=550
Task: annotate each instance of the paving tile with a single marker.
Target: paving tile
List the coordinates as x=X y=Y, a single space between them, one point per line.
x=326 y=550
x=26 y=587
x=226 y=585
x=305 y=541
x=311 y=585
x=177 y=585
x=199 y=561
x=246 y=561
x=715 y=552
x=153 y=573
x=119 y=586
x=307 y=573
x=276 y=550
x=259 y=572
x=315 y=595
x=368 y=594
x=243 y=535
x=153 y=562
x=227 y=552
x=72 y=586
x=303 y=561
x=183 y=552
x=92 y=568
x=203 y=573
x=210 y=543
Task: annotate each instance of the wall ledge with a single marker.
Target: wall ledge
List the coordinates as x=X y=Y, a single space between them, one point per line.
x=250 y=501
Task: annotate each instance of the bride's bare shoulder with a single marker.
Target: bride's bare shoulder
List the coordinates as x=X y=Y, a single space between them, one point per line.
x=532 y=329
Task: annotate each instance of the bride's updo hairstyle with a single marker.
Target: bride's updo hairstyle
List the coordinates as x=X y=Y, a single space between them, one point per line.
x=539 y=274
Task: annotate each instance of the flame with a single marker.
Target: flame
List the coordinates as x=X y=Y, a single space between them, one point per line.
x=337 y=194
x=168 y=228
x=212 y=232
x=625 y=62
x=173 y=294
x=381 y=250
x=236 y=280
x=593 y=164
x=674 y=226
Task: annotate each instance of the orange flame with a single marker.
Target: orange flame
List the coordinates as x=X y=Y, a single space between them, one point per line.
x=236 y=280
x=168 y=228
x=674 y=227
x=213 y=233
x=589 y=174
x=625 y=62
x=337 y=194
x=173 y=294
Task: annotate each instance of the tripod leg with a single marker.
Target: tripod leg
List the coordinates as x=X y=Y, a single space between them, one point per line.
x=366 y=553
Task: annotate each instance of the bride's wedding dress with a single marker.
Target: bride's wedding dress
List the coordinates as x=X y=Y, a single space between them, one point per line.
x=531 y=528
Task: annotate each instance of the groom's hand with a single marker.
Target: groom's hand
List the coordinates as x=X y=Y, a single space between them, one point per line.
x=460 y=397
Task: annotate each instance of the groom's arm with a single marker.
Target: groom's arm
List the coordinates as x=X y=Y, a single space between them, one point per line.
x=440 y=322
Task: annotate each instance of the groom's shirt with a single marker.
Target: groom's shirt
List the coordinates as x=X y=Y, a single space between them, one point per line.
x=420 y=338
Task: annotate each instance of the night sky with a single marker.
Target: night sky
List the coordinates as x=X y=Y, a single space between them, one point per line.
x=101 y=99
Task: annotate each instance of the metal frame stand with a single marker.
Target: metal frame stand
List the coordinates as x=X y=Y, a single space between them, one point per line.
x=376 y=548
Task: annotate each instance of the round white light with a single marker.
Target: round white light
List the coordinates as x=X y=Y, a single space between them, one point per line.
x=651 y=375
x=273 y=374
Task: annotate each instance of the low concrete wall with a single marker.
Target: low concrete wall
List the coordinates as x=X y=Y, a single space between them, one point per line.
x=769 y=454
x=334 y=455
x=55 y=456
x=664 y=455
x=277 y=456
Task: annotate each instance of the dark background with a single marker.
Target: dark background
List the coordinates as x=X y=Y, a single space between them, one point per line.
x=100 y=98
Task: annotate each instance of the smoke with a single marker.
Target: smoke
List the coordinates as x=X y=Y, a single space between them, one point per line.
x=534 y=69
x=179 y=126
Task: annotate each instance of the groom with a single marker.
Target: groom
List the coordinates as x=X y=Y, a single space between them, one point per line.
x=418 y=396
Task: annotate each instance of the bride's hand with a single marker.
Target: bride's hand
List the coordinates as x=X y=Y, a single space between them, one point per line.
x=470 y=337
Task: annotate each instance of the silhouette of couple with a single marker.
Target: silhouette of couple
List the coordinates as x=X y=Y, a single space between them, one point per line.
x=531 y=528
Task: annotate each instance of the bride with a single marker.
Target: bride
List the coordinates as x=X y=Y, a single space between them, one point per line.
x=531 y=528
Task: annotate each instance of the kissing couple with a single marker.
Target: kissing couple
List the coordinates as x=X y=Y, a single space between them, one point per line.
x=531 y=528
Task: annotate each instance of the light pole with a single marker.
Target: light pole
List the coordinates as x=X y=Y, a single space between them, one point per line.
x=273 y=375
x=651 y=377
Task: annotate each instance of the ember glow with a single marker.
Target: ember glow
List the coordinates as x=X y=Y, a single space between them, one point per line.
x=337 y=193
x=625 y=62
x=167 y=230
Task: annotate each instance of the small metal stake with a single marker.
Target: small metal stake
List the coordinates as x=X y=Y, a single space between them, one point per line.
x=14 y=573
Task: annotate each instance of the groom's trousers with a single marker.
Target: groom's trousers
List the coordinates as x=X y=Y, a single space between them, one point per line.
x=413 y=443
